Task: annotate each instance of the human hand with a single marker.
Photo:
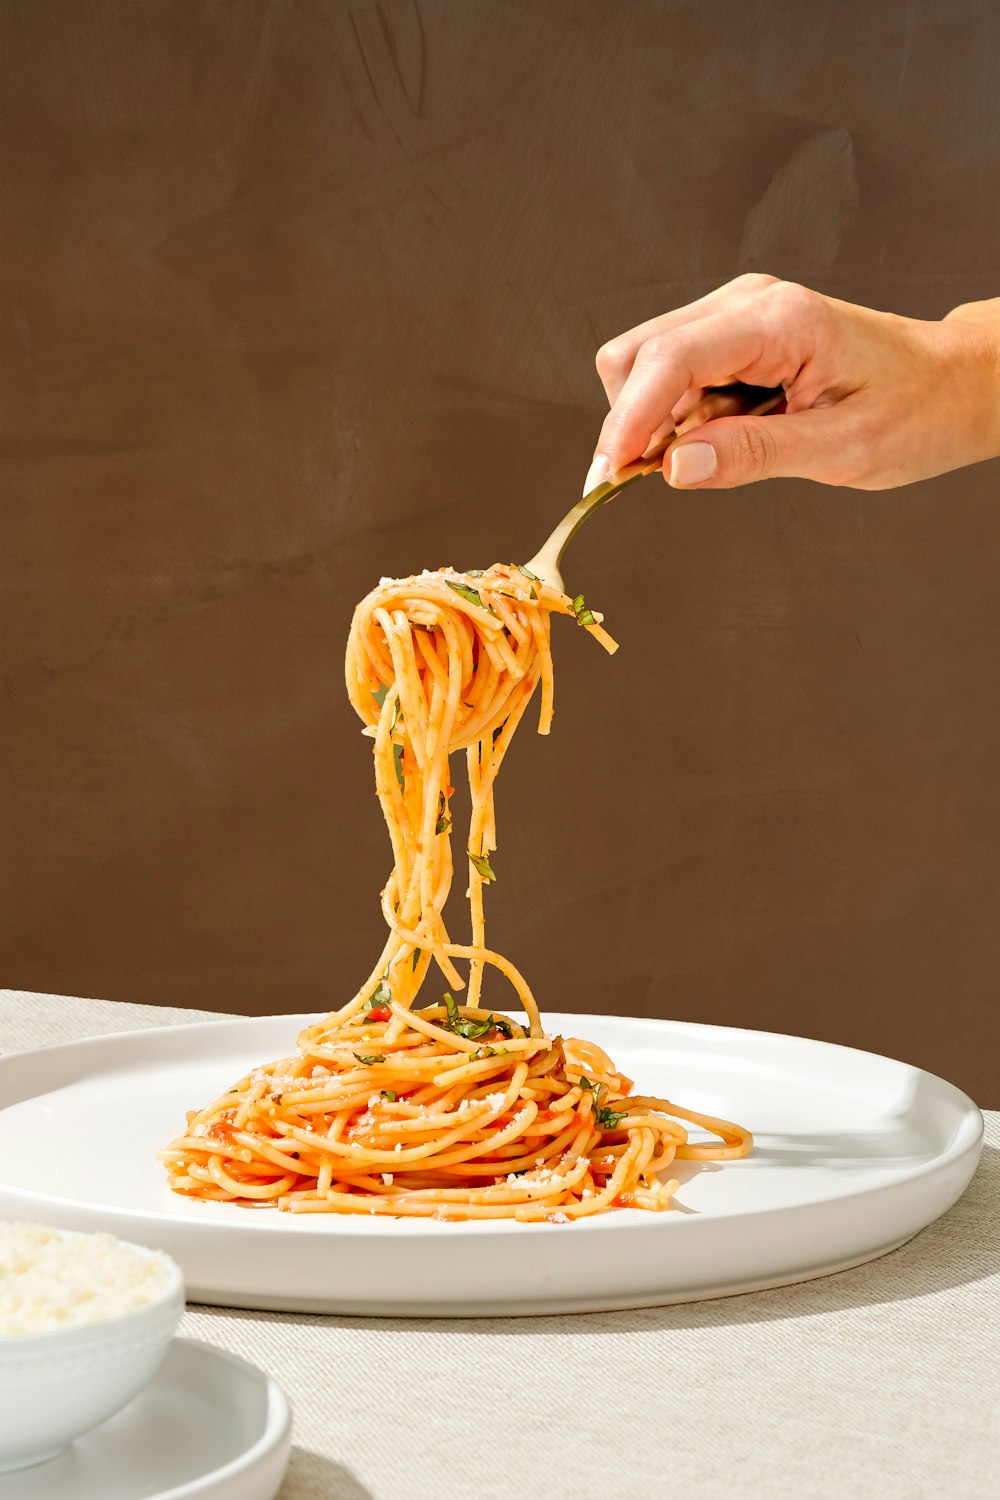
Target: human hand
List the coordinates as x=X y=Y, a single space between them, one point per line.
x=872 y=400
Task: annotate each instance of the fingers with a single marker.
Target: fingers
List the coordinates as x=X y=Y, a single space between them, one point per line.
x=615 y=359
x=824 y=444
x=764 y=341
x=667 y=366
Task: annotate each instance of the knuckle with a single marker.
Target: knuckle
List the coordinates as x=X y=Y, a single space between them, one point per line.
x=753 y=281
x=755 y=448
x=611 y=357
x=660 y=347
x=794 y=300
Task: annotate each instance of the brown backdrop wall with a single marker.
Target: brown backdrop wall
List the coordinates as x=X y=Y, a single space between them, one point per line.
x=298 y=294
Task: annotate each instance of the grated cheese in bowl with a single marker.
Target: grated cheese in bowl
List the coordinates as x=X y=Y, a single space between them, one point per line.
x=51 y=1281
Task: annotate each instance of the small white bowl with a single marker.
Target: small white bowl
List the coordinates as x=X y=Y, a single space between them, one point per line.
x=57 y=1385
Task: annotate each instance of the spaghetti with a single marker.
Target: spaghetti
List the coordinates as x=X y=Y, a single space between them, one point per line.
x=449 y=1111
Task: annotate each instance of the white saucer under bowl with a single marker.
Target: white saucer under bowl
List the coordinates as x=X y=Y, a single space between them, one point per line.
x=208 y=1426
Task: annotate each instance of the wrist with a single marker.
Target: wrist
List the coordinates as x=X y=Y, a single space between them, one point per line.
x=971 y=340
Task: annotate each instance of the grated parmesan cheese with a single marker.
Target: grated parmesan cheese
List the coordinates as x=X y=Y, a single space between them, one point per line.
x=48 y=1281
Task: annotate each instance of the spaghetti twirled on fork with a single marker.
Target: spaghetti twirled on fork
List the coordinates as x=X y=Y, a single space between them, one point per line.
x=448 y=1111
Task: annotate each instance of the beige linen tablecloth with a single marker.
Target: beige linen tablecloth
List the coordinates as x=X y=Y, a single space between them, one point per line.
x=882 y=1381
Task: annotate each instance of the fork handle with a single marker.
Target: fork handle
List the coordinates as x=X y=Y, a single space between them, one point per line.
x=736 y=400
x=730 y=400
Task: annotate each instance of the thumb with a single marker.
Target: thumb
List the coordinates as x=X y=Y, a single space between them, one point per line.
x=729 y=451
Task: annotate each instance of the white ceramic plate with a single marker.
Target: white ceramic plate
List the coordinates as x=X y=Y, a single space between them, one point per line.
x=208 y=1426
x=854 y=1154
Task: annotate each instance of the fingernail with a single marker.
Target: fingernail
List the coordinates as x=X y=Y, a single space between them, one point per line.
x=599 y=471
x=692 y=463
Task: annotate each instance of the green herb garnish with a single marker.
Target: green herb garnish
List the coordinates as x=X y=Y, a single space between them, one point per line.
x=481 y=863
x=416 y=959
x=467 y=593
x=376 y=1057
x=443 y=821
x=469 y=1028
x=380 y=995
x=584 y=616
x=389 y=1094
x=527 y=573
x=604 y=1116
x=397 y=760
x=473 y=572
x=608 y=1118
x=595 y=1089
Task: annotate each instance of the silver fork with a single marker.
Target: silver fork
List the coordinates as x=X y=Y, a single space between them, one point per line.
x=723 y=401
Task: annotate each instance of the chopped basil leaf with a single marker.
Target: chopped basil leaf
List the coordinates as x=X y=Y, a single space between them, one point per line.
x=468 y=1027
x=595 y=1089
x=416 y=958
x=396 y=716
x=527 y=573
x=380 y=995
x=466 y=593
x=481 y=863
x=397 y=759
x=443 y=820
x=608 y=1118
x=379 y=693
x=389 y=1094
x=473 y=572
x=376 y=1057
x=584 y=616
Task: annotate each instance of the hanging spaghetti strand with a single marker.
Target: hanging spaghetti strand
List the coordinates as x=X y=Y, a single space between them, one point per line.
x=451 y=1111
